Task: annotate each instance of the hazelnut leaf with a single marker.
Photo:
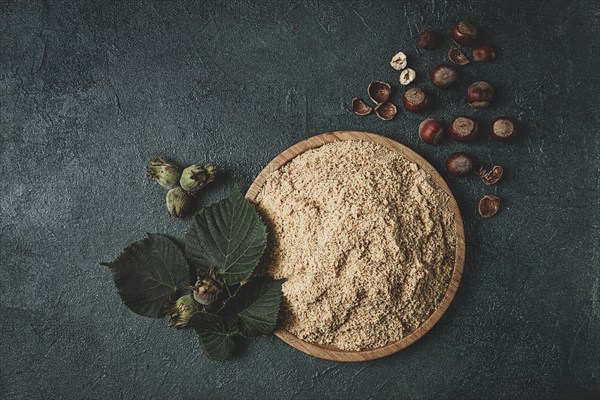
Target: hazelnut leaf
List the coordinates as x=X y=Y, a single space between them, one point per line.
x=229 y=236
x=256 y=305
x=149 y=273
x=215 y=333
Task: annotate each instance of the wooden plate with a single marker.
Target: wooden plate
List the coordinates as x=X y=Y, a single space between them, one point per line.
x=330 y=352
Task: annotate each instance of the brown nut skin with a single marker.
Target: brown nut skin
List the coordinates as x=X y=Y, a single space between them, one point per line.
x=379 y=92
x=504 y=129
x=415 y=100
x=458 y=57
x=489 y=205
x=492 y=176
x=431 y=131
x=428 y=39
x=464 y=33
x=485 y=52
x=359 y=107
x=480 y=94
x=464 y=129
x=444 y=76
x=459 y=164
x=386 y=111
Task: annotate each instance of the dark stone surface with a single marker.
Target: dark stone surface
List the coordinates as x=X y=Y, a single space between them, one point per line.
x=90 y=91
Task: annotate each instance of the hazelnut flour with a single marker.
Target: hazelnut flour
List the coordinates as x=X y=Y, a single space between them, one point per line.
x=365 y=240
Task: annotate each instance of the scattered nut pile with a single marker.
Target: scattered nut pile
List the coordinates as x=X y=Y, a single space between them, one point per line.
x=480 y=95
x=183 y=185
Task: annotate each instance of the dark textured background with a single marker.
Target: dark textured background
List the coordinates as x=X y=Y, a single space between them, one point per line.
x=89 y=92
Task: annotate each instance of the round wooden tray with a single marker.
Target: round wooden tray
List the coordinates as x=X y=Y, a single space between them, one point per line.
x=330 y=352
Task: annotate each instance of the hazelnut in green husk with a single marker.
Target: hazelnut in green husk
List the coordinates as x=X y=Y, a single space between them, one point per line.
x=207 y=288
x=178 y=202
x=182 y=311
x=166 y=174
x=195 y=177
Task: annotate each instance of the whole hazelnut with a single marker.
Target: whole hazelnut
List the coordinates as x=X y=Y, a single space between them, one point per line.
x=415 y=100
x=480 y=94
x=459 y=164
x=504 y=129
x=485 y=52
x=428 y=39
x=431 y=131
x=464 y=33
x=464 y=129
x=444 y=76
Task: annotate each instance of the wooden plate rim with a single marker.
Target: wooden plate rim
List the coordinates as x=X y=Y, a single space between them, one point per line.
x=330 y=352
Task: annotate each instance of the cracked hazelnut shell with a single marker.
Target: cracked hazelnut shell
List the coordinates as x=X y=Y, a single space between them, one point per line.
x=415 y=100
x=464 y=33
x=492 y=176
x=379 y=92
x=458 y=57
x=444 y=76
x=481 y=94
x=504 y=129
x=359 y=107
x=464 y=129
x=386 y=111
x=489 y=205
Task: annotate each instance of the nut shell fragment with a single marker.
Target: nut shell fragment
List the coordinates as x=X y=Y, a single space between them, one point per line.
x=398 y=61
x=492 y=176
x=458 y=57
x=359 y=107
x=407 y=76
x=489 y=205
x=379 y=92
x=386 y=111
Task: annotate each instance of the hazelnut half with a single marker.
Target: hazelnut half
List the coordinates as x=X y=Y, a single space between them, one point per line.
x=407 y=76
x=464 y=129
x=379 y=92
x=431 y=131
x=459 y=164
x=504 y=129
x=458 y=57
x=415 y=100
x=398 y=61
x=359 y=107
x=444 y=76
x=428 y=39
x=489 y=205
x=480 y=94
x=485 y=52
x=492 y=176
x=386 y=111
x=464 y=33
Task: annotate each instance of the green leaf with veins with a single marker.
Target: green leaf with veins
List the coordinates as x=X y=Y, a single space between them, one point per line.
x=148 y=273
x=256 y=305
x=229 y=236
x=215 y=333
